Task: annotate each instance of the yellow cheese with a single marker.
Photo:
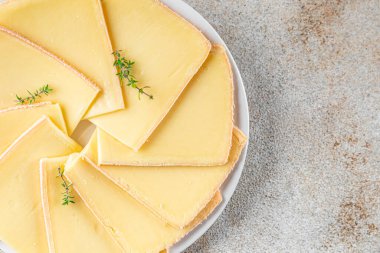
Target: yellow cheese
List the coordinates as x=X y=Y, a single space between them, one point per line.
x=133 y=226
x=206 y=211
x=176 y=194
x=25 y=66
x=21 y=217
x=198 y=129
x=16 y=120
x=168 y=51
x=74 y=31
x=71 y=228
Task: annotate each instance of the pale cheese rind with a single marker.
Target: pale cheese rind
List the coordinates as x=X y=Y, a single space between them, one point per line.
x=167 y=51
x=133 y=226
x=71 y=228
x=176 y=193
x=25 y=66
x=198 y=129
x=16 y=120
x=206 y=211
x=21 y=217
x=74 y=31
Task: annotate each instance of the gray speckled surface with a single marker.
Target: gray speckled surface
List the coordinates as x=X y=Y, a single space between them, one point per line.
x=312 y=179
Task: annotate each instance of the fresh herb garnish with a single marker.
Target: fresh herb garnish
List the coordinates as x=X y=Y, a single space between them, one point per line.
x=44 y=90
x=67 y=197
x=125 y=73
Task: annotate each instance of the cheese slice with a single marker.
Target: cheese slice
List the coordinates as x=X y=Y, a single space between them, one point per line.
x=71 y=228
x=133 y=226
x=176 y=194
x=16 y=120
x=26 y=67
x=198 y=129
x=74 y=31
x=167 y=51
x=206 y=211
x=21 y=217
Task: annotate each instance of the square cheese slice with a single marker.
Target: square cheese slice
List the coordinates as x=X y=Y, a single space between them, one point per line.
x=74 y=31
x=178 y=193
x=24 y=67
x=133 y=226
x=21 y=217
x=16 y=120
x=198 y=129
x=72 y=228
x=167 y=51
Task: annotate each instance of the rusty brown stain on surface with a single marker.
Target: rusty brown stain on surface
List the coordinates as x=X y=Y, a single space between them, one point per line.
x=316 y=27
x=357 y=216
x=352 y=159
x=354 y=222
x=372 y=229
x=349 y=149
x=336 y=144
x=314 y=19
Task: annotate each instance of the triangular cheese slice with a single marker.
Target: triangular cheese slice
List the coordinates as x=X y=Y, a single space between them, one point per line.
x=168 y=51
x=74 y=31
x=198 y=129
x=176 y=194
x=71 y=228
x=133 y=226
x=16 y=120
x=21 y=217
x=26 y=67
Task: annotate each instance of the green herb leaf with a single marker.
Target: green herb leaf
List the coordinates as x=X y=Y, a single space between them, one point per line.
x=125 y=67
x=67 y=197
x=44 y=90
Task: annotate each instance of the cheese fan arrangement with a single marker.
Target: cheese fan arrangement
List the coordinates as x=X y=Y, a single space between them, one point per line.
x=161 y=98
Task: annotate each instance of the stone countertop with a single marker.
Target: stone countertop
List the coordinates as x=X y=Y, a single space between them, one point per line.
x=312 y=177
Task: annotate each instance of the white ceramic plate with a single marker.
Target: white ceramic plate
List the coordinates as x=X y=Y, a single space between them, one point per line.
x=85 y=129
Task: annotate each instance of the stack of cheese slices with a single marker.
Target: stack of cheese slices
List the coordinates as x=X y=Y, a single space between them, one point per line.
x=152 y=169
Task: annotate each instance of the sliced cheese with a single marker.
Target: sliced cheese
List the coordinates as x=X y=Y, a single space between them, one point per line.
x=21 y=217
x=25 y=67
x=167 y=51
x=198 y=129
x=176 y=194
x=133 y=226
x=206 y=211
x=74 y=31
x=71 y=228
x=16 y=120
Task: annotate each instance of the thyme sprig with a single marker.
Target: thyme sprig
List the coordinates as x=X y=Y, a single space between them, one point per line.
x=67 y=197
x=44 y=90
x=125 y=67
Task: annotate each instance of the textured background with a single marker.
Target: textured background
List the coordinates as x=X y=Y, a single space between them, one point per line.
x=312 y=179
